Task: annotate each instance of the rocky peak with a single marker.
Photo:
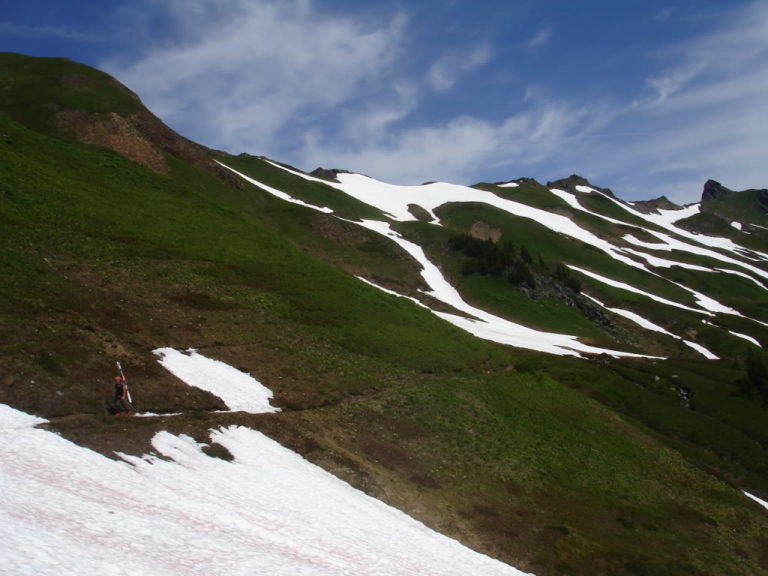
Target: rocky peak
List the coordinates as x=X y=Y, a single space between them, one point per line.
x=569 y=185
x=329 y=174
x=651 y=206
x=714 y=190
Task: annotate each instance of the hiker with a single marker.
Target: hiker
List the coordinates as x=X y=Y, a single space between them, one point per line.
x=122 y=401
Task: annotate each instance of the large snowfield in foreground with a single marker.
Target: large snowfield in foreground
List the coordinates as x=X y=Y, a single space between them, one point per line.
x=68 y=510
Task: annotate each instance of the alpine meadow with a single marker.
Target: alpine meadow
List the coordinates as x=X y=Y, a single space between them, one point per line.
x=356 y=377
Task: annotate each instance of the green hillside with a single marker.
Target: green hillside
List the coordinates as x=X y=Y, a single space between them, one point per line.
x=559 y=466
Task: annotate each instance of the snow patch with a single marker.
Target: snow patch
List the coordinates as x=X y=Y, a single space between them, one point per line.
x=239 y=391
x=709 y=303
x=11 y=419
x=393 y=200
x=762 y=503
x=746 y=337
x=636 y=318
x=392 y=292
x=629 y=288
x=648 y=325
x=668 y=244
x=701 y=350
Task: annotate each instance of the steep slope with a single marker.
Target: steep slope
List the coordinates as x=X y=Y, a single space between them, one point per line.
x=557 y=465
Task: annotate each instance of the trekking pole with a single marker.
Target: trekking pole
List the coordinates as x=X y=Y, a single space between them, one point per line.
x=128 y=390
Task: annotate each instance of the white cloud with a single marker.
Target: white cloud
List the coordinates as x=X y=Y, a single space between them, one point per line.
x=456 y=150
x=236 y=73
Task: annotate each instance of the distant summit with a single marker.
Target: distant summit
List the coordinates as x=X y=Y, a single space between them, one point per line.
x=571 y=183
x=714 y=190
x=330 y=174
x=660 y=203
x=746 y=205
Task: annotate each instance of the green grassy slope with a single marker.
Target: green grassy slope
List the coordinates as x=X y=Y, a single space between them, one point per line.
x=560 y=466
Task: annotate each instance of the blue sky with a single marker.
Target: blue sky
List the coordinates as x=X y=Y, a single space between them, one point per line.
x=644 y=97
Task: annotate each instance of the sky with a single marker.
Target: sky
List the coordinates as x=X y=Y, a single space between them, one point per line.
x=647 y=98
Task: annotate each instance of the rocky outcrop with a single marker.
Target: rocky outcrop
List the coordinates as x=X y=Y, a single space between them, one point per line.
x=714 y=190
x=523 y=180
x=114 y=132
x=569 y=185
x=328 y=174
x=483 y=231
x=651 y=206
x=141 y=137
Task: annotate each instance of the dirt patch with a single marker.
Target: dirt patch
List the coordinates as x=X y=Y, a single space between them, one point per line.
x=483 y=231
x=141 y=137
x=339 y=231
x=114 y=132
x=385 y=453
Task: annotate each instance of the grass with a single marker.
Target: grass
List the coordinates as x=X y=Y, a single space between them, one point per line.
x=499 y=297
x=32 y=90
x=740 y=207
x=529 y=193
x=552 y=247
x=529 y=439
x=127 y=224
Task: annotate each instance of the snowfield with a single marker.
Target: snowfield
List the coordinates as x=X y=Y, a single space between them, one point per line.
x=68 y=510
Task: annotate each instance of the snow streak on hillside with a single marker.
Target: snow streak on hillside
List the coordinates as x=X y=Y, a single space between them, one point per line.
x=481 y=323
x=68 y=510
x=666 y=219
x=395 y=201
x=477 y=321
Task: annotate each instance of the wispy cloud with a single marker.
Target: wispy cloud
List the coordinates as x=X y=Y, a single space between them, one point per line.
x=448 y=70
x=663 y=15
x=708 y=115
x=461 y=147
x=541 y=38
x=702 y=114
x=235 y=74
